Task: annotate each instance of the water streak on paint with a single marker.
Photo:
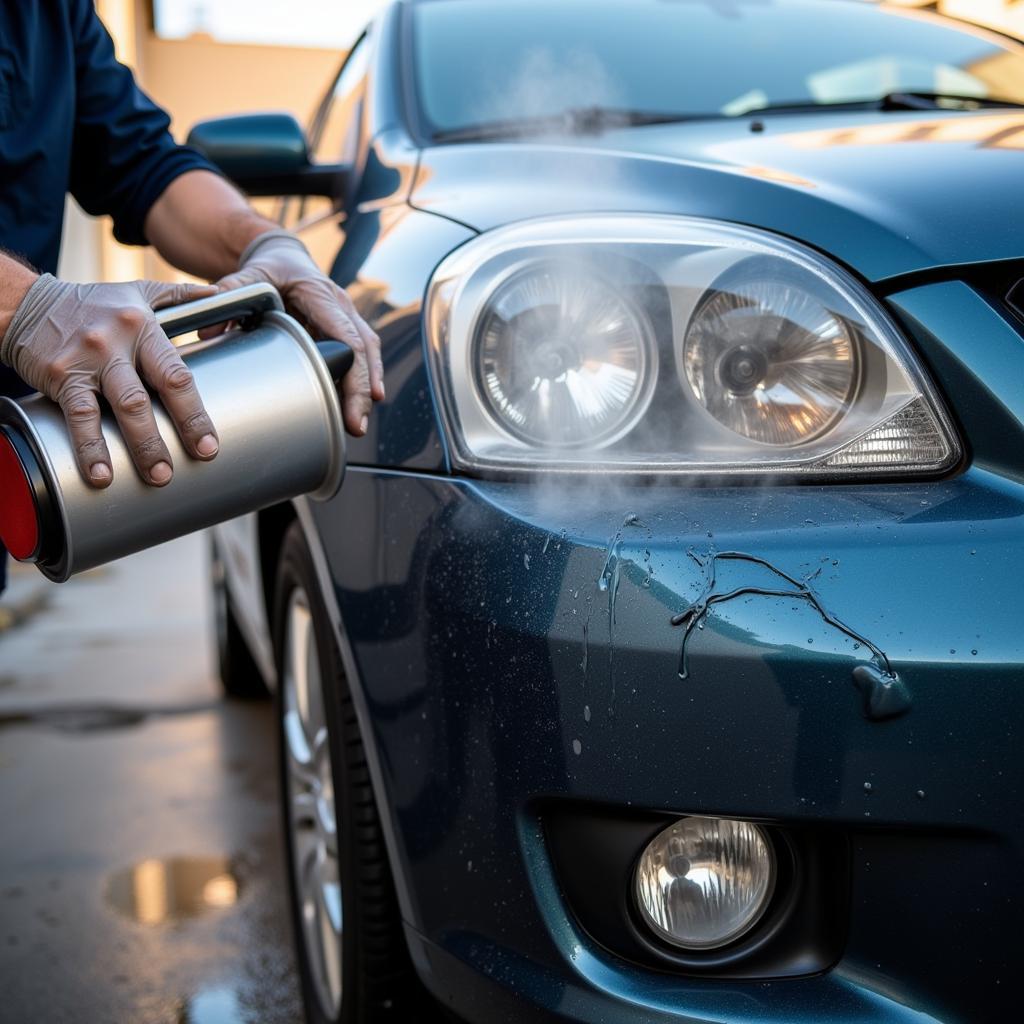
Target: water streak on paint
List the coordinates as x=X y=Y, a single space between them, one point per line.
x=608 y=582
x=885 y=695
x=648 y=569
x=586 y=647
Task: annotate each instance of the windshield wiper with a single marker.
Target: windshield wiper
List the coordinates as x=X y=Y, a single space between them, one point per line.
x=573 y=121
x=582 y=121
x=905 y=99
x=920 y=100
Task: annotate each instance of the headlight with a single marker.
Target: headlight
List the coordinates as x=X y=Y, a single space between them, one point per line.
x=704 y=882
x=672 y=344
x=769 y=359
x=562 y=359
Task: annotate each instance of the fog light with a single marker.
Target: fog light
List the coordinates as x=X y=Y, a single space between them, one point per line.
x=704 y=882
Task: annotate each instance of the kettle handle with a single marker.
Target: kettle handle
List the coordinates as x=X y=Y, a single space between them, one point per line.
x=251 y=300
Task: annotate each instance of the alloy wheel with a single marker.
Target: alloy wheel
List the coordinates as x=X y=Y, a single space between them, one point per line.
x=312 y=821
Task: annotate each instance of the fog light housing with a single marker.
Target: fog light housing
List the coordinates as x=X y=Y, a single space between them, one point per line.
x=702 y=883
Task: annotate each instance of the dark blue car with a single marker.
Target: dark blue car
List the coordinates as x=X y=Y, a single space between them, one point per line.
x=662 y=656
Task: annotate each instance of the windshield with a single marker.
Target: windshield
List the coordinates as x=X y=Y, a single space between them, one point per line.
x=480 y=62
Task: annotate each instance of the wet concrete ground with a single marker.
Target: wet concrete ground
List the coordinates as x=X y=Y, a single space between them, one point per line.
x=141 y=876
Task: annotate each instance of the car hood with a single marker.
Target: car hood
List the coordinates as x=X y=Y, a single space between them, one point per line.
x=886 y=194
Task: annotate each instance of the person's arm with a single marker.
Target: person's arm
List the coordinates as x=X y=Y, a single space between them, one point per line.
x=204 y=226
x=15 y=280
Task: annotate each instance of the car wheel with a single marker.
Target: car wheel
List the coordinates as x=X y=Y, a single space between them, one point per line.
x=352 y=958
x=240 y=677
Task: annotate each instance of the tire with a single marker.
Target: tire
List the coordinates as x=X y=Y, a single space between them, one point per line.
x=240 y=677
x=358 y=972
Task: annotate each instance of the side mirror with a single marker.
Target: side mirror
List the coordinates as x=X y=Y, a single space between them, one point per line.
x=266 y=155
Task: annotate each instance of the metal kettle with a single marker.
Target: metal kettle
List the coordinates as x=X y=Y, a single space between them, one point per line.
x=270 y=390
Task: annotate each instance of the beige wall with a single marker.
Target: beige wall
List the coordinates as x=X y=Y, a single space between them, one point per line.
x=199 y=78
x=192 y=79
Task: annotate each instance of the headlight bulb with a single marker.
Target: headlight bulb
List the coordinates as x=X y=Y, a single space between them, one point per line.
x=562 y=359
x=769 y=360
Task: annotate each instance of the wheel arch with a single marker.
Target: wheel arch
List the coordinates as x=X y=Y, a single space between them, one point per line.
x=273 y=524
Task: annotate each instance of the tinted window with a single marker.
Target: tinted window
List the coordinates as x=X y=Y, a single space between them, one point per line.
x=478 y=61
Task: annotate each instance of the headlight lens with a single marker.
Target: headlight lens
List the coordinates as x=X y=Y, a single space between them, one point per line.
x=562 y=359
x=672 y=344
x=704 y=882
x=769 y=360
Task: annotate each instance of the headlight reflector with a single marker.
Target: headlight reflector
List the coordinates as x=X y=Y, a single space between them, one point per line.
x=562 y=359
x=704 y=882
x=769 y=360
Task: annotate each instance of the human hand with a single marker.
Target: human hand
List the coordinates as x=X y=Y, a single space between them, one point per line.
x=279 y=258
x=74 y=342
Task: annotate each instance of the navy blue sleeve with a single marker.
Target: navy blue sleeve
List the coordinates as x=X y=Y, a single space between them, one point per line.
x=123 y=156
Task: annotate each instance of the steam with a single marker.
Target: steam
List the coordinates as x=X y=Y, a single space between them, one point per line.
x=542 y=84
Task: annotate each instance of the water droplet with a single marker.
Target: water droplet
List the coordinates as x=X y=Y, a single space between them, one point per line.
x=920 y=794
x=577 y=747
x=974 y=651
x=526 y=560
x=469 y=865
x=586 y=712
x=867 y=787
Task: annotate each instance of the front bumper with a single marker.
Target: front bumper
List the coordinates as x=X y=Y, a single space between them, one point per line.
x=515 y=648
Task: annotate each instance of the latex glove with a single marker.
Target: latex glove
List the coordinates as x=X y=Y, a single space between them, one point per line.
x=279 y=258
x=74 y=342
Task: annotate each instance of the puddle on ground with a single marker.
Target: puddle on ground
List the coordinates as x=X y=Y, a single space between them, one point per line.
x=212 y=1006
x=155 y=891
x=12 y=615
x=97 y=718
